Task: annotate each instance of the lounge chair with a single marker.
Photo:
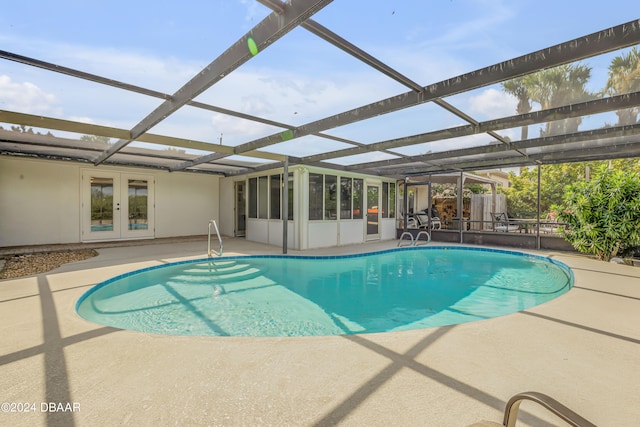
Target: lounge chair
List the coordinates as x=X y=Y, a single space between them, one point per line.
x=423 y=222
x=501 y=222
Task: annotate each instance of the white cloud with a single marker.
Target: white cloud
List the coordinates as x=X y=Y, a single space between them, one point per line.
x=288 y=97
x=162 y=74
x=25 y=97
x=491 y=104
x=234 y=129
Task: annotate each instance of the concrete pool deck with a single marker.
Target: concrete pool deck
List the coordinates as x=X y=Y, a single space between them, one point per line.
x=582 y=349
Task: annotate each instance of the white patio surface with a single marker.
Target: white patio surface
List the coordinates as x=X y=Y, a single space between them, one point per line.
x=582 y=349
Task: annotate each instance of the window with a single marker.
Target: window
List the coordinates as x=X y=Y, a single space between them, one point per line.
x=253 y=197
x=345 y=198
x=315 y=196
x=290 y=217
x=358 y=186
x=263 y=197
x=323 y=197
x=274 y=196
x=388 y=200
x=330 y=197
x=385 y=200
x=392 y=200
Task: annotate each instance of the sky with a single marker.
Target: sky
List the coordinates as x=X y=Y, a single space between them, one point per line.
x=298 y=79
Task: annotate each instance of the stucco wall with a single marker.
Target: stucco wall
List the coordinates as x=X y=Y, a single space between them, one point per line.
x=40 y=201
x=185 y=203
x=227 y=205
x=351 y=231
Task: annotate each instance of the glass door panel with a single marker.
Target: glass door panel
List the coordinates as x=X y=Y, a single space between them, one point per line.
x=373 y=212
x=137 y=209
x=101 y=204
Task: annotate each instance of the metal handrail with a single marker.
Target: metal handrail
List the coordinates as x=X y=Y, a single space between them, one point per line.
x=420 y=233
x=511 y=410
x=209 y=250
x=406 y=233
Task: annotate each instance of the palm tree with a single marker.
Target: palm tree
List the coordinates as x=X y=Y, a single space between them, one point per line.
x=624 y=77
x=556 y=87
x=517 y=88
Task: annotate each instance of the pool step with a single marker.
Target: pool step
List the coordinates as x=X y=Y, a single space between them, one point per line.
x=236 y=273
x=239 y=276
x=217 y=269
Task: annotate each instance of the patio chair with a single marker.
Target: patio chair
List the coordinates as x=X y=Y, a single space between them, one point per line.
x=423 y=221
x=549 y=225
x=435 y=223
x=501 y=222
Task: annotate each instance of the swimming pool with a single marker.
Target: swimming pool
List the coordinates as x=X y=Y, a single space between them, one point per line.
x=392 y=290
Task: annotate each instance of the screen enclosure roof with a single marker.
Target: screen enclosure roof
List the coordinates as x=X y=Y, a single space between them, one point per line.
x=341 y=85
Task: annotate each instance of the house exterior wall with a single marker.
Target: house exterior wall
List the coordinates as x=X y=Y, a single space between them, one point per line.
x=388 y=228
x=40 y=201
x=350 y=231
x=185 y=202
x=227 y=207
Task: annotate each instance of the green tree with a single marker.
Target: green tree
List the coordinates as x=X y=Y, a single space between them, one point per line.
x=558 y=86
x=603 y=214
x=624 y=77
x=95 y=138
x=517 y=88
x=22 y=129
x=522 y=195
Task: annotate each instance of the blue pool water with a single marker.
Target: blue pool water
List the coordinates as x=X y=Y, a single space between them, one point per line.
x=394 y=290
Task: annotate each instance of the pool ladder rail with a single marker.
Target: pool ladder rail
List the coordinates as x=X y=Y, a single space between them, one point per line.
x=209 y=250
x=416 y=241
x=547 y=402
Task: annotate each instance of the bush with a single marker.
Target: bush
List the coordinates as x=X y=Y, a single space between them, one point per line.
x=603 y=214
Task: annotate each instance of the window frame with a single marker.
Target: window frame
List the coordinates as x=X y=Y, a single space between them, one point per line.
x=275 y=202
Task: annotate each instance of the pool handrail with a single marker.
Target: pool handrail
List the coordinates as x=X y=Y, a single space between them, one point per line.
x=549 y=403
x=209 y=250
x=420 y=233
x=405 y=233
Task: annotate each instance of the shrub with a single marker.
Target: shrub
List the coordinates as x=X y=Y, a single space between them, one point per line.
x=603 y=214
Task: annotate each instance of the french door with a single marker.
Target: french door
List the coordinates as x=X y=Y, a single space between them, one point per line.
x=117 y=206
